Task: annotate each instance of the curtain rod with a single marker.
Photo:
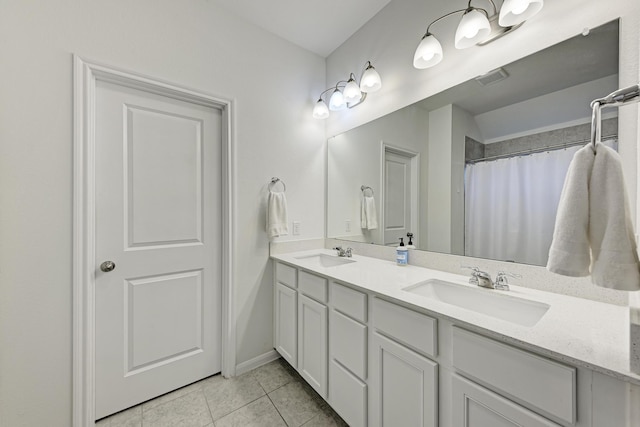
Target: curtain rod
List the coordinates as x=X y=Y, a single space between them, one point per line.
x=537 y=150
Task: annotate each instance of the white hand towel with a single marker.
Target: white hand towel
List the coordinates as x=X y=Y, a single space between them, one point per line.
x=593 y=231
x=613 y=246
x=569 y=253
x=368 y=215
x=277 y=215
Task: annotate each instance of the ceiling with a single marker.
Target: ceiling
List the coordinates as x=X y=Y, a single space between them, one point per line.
x=318 y=26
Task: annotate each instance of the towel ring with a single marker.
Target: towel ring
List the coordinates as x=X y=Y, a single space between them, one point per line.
x=274 y=181
x=363 y=188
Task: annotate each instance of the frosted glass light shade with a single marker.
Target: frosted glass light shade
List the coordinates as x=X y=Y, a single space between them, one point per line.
x=320 y=111
x=336 y=102
x=474 y=28
x=351 y=92
x=428 y=53
x=371 y=81
x=514 y=12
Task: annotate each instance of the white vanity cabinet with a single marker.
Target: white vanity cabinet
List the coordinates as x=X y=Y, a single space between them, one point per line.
x=404 y=383
x=475 y=406
x=301 y=323
x=313 y=330
x=348 y=354
x=537 y=383
x=379 y=362
x=286 y=313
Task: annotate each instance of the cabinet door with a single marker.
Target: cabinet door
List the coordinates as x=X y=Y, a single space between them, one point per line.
x=475 y=406
x=286 y=320
x=404 y=386
x=312 y=343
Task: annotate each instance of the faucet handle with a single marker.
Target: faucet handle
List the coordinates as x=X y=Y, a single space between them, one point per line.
x=473 y=280
x=475 y=270
x=348 y=252
x=502 y=282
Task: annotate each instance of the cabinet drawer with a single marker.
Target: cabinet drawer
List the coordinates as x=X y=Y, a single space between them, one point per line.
x=407 y=326
x=347 y=395
x=476 y=406
x=349 y=301
x=313 y=286
x=538 y=383
x=286 y=275
x=348 y=343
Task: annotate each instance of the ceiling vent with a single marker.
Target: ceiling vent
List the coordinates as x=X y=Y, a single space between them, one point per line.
x=492 y=77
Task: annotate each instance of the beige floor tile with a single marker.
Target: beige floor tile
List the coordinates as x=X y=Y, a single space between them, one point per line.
x=190 y=410
x=327 y=418
x=226 y=395
x=131 y=417
x=297 y=403
x=171 y=395
x=259 y=413
x=274 y=375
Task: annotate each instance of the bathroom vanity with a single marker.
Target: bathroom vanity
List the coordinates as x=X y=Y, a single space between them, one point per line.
x=406 y=346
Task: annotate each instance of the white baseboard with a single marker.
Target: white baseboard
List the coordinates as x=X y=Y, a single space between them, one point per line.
x=256 y=362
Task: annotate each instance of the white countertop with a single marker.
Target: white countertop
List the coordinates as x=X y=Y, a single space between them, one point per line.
x=581 y=332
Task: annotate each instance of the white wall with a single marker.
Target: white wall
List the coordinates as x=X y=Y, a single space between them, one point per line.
x=439 y=180
x=191 y=43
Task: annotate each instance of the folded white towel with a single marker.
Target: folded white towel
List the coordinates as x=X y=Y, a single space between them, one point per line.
x=613 y=245
x=593 y=232
x=277 y=215
x=368 y=215
x=569 y=253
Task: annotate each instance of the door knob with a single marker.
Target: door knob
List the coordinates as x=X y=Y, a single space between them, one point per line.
x=107 y=266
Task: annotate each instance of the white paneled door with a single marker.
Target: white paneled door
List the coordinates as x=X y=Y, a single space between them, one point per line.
x=158 y=245
x=397 y=197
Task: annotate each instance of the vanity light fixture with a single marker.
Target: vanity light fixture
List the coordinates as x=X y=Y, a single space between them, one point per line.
x=348 y=93
x=476 y=27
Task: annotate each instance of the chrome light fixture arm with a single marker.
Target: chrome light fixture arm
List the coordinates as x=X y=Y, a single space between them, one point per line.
x=348 y=93
x=476 y=28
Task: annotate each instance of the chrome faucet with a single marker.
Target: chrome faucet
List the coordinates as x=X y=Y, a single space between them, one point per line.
x=483 y=279
x=502 y=282
x=344 y=252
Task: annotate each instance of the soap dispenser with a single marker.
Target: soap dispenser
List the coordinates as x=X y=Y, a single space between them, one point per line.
x=402 y=253
x=410 y=244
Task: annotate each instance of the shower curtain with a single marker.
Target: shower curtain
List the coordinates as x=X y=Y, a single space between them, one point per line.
x=511 y=204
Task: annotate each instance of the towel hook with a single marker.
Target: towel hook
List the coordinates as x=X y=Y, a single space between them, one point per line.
x=364 y=188
x=274 y=181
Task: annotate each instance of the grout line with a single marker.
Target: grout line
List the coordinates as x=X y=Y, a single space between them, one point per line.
x=208 y=407
x=277 y=410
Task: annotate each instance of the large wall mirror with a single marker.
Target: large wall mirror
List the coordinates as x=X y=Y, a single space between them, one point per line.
x=476 y=170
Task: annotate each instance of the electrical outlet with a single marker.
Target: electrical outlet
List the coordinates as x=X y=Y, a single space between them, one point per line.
x=347 y=225
x=296 y=228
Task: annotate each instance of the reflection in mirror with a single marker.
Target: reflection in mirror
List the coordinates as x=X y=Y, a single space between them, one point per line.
x=476 y=170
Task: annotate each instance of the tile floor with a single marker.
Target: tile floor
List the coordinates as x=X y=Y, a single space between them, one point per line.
x=269 y=396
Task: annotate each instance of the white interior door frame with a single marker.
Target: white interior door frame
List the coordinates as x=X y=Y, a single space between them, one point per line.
x=86 y=74
x=415 y=184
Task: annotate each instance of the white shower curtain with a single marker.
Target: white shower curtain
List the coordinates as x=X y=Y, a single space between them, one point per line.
x=511 y=204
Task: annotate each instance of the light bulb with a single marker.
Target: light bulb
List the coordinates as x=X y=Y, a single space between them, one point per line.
x=514 y=12
x=371 y=81
x=320 y=111
x=474 y=28
x=351 y=92
x=336 y=102
x=428 y=53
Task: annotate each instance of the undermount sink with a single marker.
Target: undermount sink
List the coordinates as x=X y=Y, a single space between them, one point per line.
x=324 y=260
x=485 y=301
